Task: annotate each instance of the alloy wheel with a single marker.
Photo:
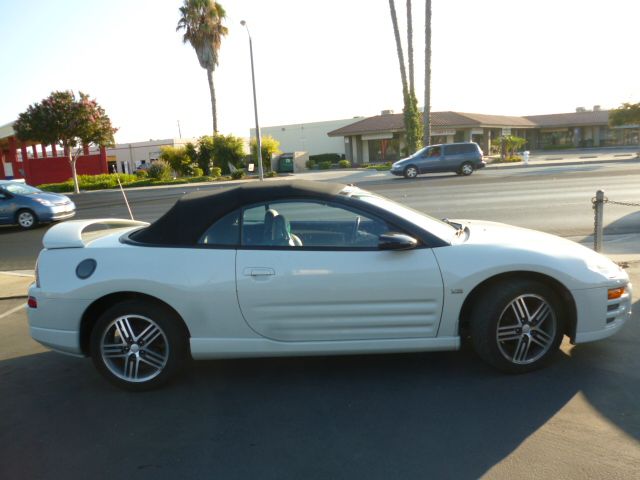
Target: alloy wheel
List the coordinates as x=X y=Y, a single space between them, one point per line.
x=134 y=348
x=526 y=329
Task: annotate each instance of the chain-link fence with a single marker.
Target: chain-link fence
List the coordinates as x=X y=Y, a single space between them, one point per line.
x=598 y=207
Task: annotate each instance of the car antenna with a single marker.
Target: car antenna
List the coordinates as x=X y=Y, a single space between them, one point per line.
x=124 y=195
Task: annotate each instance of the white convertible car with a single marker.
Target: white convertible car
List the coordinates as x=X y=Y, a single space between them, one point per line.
x=306 y=268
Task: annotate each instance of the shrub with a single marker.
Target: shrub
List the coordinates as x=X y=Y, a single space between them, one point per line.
x=271 y=174
x=325 y=157
x=142 y=173
x=513 y=158
x=380 y=166
x=325 y=165
x=344 y=164
x=216 y=172
x=238 y=174
x=197 y=172
x=160 y=170
x=310 y=164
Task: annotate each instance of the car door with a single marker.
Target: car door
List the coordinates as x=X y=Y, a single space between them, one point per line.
x=5 y=207
x=453 y=157
x=432 y=161
x=308 y=271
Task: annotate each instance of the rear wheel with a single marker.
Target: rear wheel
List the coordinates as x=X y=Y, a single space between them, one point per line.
x=517 y=326
x=138 y=345
x=466 y=168
x=26 y=219
x=410 y=172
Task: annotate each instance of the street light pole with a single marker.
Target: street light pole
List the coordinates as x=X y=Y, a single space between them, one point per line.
x=255 y=104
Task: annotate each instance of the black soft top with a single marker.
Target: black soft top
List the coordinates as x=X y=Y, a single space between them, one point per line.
x=188 y=219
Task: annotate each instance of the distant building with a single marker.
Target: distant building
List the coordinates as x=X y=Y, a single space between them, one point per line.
x=38 y=164
x=381 y=138
x=307 y=137
x=129 y=157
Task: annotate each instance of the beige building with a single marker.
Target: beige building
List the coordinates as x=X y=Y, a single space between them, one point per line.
x=128 y=157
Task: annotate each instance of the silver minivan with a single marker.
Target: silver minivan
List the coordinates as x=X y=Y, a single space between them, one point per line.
x=461 y=158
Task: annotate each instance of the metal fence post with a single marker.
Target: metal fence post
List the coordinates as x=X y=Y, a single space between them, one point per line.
x=598 y=206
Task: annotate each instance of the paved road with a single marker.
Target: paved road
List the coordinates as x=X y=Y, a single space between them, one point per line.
x=552 y=199
x=435 y=415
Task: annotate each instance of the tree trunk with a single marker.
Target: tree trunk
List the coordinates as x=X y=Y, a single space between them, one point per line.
x=212 y=91
x=427 y=74
x=412 y=88
x=72 y=164
x=403 y=71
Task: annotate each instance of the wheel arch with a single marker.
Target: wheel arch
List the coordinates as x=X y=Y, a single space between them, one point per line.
x=93 y=312
x=563 y=292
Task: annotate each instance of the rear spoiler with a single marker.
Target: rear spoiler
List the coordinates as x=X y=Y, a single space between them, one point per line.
x=69 y=234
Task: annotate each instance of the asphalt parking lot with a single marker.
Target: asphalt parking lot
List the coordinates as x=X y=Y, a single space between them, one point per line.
x=439 y=415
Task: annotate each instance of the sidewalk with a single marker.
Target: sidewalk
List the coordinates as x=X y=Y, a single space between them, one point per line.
x=544 y=159
x=15 y=284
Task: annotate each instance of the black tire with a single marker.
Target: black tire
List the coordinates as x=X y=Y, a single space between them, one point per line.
x=26 y=219
x=411 y=171
x=466 y=169
x=517 y=342
x=144 y=360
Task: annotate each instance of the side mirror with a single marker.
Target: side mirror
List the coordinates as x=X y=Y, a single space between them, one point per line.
x=396 y=241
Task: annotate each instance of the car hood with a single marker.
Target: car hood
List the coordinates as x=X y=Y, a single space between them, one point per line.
x=52 y=197
x=533 y=241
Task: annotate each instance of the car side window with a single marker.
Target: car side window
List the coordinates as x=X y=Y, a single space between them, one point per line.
x=434 y=152
x=300 y=224
x=223 y=233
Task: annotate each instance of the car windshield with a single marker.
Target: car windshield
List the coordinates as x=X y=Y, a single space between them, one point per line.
x=20 y=189
x=432 y=225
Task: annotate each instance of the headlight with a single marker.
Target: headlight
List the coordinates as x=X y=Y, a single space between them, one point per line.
x=44 y=202
x=604 y=267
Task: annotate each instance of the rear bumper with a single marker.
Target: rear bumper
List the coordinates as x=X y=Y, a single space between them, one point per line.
x=63 y=341
x=480 y=165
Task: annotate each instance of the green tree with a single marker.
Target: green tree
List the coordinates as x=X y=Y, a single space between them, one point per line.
x=205 y=153
x=227 y=149
x=201 y=21
x=270 y=147
x=510 y=144
x=178 y=159
x=67 y=120
x=625 y=114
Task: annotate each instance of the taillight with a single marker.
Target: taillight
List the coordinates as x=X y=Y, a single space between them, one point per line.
x=32 y=302
x=37 y=272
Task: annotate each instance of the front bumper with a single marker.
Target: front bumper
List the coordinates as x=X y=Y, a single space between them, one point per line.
x=480 y=165
x=56 y=213
x=598 y=317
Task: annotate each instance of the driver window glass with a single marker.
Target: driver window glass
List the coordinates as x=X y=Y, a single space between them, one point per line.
x=309 y=224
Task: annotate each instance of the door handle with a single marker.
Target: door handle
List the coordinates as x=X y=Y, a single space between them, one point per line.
x=259 y=271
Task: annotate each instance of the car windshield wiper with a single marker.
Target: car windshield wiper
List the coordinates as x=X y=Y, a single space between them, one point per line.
x=458 y=226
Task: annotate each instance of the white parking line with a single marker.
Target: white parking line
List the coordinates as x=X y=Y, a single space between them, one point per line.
x=13 y=310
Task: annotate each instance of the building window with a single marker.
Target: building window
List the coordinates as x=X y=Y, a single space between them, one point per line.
x=386 y=150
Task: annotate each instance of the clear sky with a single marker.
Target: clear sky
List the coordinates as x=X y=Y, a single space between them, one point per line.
x=316 y=60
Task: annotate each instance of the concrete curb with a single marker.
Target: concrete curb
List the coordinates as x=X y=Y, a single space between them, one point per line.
x=552 y=163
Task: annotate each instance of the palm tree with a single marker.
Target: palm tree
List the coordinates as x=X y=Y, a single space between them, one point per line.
x=427 y=74
x=396 y=33
x=412 y=88
x=201 y=21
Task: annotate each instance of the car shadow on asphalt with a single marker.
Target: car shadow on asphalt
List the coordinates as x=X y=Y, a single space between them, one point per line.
x=391 y=416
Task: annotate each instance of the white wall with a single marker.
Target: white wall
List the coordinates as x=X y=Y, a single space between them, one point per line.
x=135 y=153
x=308 y=137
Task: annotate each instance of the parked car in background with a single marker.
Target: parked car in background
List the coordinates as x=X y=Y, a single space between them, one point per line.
x=308 y=268
x=27 y=206
x=461 y=158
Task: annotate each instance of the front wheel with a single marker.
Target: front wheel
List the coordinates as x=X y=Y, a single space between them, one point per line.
x=517 y=326
x=26 y=219
x=410 y=172
x=138 y=345
x=466 y=169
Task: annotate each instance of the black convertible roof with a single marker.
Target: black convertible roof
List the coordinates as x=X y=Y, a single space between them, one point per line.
x=188 y=219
